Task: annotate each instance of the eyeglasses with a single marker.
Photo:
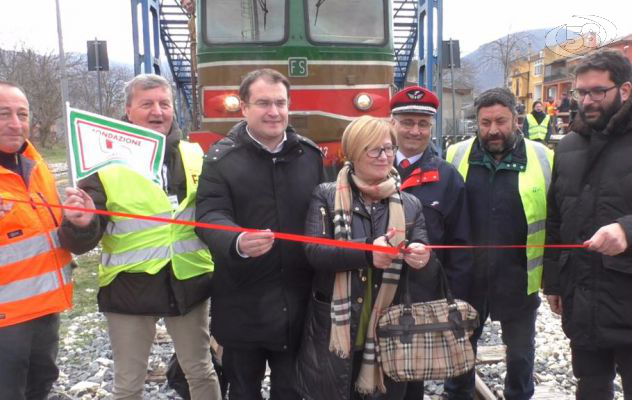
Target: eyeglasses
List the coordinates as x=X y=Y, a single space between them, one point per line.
x=266 y=104
x=596 y=94
x=376 y=152
x=410 y=124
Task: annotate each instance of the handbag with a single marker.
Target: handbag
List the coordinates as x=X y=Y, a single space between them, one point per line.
x=427 y=340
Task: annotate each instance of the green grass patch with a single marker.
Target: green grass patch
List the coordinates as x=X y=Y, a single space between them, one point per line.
x=55 y=155
x=85 y=289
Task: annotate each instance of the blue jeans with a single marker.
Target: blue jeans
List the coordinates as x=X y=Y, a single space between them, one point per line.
x=519 y=337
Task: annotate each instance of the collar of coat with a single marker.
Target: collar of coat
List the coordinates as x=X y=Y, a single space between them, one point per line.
x=241 y=137
x=424 y=170
x=515 y=158
x=620 y=122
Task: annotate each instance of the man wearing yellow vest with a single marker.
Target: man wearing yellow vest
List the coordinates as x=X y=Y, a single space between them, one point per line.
x=506 y=178
x=35 y=265
x=538 y=125
x=150 y=270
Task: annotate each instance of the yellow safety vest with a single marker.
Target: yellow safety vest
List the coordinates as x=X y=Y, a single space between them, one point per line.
x=533 y=184
x=538 y=131
x=135 y=245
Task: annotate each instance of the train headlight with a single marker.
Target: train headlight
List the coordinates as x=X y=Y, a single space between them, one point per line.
x=363 y=102
x=231 y=103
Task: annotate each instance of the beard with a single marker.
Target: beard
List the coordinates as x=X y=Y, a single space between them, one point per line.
x=605 y=113
x=497 y=143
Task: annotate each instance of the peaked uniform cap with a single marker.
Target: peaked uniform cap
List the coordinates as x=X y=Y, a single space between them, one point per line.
x=414 y=100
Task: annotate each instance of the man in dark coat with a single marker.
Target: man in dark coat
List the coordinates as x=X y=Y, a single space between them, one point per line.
x=261 y=177
x=439 y=187
x=590 y=202
x=506 y=178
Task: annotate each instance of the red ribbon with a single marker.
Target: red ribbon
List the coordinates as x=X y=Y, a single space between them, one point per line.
x=294 y=237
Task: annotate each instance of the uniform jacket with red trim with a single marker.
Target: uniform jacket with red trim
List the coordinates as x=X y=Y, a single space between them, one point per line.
x=441 y=190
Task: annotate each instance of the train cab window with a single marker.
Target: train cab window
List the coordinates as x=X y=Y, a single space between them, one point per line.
x=348 y=21
x=244 y=21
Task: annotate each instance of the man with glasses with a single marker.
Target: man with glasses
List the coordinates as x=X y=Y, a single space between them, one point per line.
x=437 y=184
x=506 y=179
x=261 y=177
x=590 y=203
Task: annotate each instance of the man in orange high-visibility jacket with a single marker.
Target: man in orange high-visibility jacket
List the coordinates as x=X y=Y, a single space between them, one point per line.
x=35 y=268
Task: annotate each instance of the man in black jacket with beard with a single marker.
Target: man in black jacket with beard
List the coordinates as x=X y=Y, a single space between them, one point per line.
x=261 y=176
x=590 y=202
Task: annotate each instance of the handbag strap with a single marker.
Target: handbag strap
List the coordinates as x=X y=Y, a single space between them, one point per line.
x=455 y=320
x=443 y=283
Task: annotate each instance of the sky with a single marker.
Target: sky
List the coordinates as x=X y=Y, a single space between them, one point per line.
x=32 y=23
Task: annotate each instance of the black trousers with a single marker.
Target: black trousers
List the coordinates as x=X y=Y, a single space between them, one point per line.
x=595 y=370
x=27 y=358
x=245 y=369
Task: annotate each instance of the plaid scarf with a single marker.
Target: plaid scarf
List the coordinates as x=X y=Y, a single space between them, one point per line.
x=371 y=376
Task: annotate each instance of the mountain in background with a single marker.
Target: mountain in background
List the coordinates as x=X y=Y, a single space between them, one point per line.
x=485 y=75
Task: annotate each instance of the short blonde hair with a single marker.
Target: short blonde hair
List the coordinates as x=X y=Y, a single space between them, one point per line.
x=363 y=133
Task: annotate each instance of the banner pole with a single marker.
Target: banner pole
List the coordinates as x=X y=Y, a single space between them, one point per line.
x=72 y=176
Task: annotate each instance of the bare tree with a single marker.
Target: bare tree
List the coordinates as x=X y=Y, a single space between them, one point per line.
x=84 y=94
x=39 y=75
x=464 y=76
x=504 y=51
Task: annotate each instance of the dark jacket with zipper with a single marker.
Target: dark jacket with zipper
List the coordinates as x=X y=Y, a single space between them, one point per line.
x=591 y=187
x=139 y=293
x=258 y=302
x=441 y=190
x=322 y=375
x=498 y=218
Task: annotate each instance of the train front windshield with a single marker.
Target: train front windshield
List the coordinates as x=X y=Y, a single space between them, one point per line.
x=355 y=22
x=347 y=21
x=245 y=21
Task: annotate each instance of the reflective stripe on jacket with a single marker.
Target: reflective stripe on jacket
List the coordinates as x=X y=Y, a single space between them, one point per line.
x=35 y=272
x=533 y=184
x=135 y=245
x=538 y=131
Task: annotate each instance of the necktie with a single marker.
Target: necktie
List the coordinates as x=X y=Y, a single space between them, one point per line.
x=404 y=163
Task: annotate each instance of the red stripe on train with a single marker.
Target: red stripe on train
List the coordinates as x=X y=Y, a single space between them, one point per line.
x=334 y=101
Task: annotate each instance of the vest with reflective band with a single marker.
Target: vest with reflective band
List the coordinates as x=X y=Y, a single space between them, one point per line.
x=533 y=184
x=35 y=272
x=538 y=131
x=142 y=246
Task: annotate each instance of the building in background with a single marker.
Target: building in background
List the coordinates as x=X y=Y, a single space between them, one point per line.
x=548 y=73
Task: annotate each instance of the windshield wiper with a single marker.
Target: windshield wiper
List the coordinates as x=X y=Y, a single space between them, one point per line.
x=264 y=7
x=318 y=4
